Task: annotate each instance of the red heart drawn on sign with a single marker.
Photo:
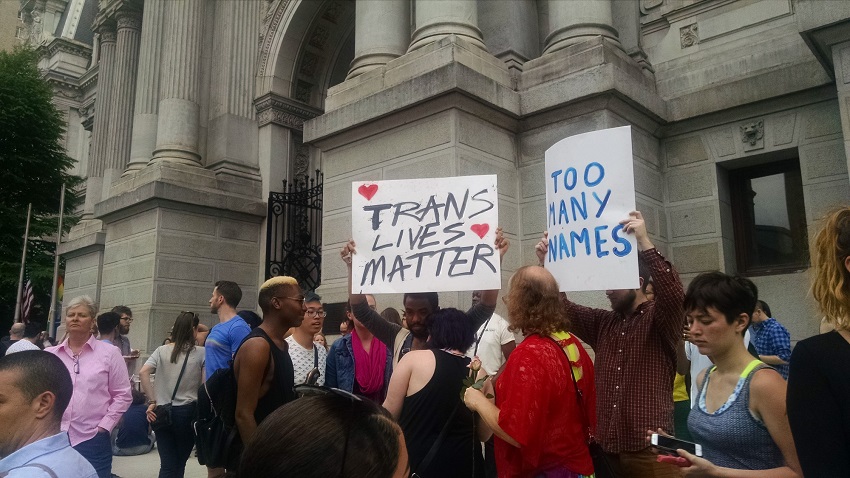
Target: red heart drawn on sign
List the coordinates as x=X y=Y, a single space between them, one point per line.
x=480 y=229
x=368 y=190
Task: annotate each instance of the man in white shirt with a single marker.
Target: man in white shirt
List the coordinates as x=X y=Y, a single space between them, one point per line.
x=493 y=341
x=306 y=354
x=33 y=334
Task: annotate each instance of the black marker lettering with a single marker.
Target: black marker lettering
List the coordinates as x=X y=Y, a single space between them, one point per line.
x=475 y=198
x=376 y=212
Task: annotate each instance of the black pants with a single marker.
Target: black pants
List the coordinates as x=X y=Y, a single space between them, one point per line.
x=175 y=443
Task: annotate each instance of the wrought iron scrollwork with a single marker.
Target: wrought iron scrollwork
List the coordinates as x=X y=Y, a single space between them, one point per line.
x=294 y=231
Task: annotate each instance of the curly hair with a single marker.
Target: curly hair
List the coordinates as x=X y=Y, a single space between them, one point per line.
x=830 y=278
x=534 y=303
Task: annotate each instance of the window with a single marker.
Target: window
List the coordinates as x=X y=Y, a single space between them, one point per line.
x=769 y=218
x=21 y=33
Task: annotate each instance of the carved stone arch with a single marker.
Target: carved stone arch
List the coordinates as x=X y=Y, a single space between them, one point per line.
x=302 y=46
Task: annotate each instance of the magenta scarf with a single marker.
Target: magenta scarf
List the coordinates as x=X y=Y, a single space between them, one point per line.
x=369 y=367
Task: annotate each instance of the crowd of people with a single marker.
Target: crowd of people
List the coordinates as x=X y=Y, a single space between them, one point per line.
x=439 y=392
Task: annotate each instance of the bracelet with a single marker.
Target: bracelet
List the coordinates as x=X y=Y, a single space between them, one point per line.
x=151 y=402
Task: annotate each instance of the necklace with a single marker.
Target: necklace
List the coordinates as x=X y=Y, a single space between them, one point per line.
x=456 y=354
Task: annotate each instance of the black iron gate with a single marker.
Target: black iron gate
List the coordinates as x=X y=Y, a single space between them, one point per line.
x=294 y=231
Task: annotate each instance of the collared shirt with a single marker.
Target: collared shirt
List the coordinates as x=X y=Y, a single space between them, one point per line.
x=772 y=338
x=635 y=359
x=101 y=388
x=53 y=452
x=123 y=343
x=20 y=346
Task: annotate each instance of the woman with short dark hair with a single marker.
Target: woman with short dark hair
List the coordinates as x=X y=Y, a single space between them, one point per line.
x=334 y=434
x=424 y=395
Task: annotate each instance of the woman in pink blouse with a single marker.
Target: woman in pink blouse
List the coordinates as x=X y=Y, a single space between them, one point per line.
x=101 y=386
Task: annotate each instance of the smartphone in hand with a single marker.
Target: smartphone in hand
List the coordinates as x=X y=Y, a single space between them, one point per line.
x=671 y=444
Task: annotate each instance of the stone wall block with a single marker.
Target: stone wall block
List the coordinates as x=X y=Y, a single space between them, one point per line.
x=115 y=252
x=821 y=198
x=648 y=182
x=646 y=147
x=204 y=248
x=693 y=221
x=783 y=129
x=650 y=216
x=173 y=292
x=686 y=150
x=142 y=245
x=532 y=180
x=823 y=160
x=184 y=222
x=533 y=217
x=534 y=143
x=128 y=271
x=145 y=221
x=691 y=183
x=798 y=311
x=176 y=269
x=336 y=229
x=508 y=217
x=244 y=275
x=468 y=165
x=723 y=142
x=88 y=277
x=695 y=258
x=239 y=230
x=337 y=194
x=821 y=121
x=414 y=138
x=439 y=164
x=485 y=137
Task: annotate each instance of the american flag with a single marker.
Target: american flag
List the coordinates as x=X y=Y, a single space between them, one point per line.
x=26 y=302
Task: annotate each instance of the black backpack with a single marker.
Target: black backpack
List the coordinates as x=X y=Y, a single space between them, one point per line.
x=216 y=435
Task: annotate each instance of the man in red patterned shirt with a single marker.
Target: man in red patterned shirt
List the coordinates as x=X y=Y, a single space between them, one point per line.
x=635 y=346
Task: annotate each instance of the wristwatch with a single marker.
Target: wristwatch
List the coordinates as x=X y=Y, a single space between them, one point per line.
x=151 y=402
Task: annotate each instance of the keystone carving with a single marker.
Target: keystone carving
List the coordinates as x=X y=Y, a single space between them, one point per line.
x=689 y=35
x=752 y=135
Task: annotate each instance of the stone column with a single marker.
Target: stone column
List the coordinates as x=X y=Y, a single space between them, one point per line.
x=437 y=19
x=577 y=20
x=179 y=96
x=103 y=102
x=121 y=114
x=381 y=33
x=147 y=87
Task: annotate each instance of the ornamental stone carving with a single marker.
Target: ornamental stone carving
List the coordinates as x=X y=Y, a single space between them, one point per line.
x=752 y=135
x=108 y=35
x=689 y=35
x=129 y=20
x=283 y=111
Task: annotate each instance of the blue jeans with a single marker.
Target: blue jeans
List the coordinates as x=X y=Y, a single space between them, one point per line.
x=175 y=443
x=98 y=451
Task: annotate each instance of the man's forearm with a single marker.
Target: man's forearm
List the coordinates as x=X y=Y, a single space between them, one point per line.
x=384 y=330
x=772 y=360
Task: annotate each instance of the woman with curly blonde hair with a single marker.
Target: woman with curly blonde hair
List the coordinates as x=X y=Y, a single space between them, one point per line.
x=540 y=423
x=819 y=381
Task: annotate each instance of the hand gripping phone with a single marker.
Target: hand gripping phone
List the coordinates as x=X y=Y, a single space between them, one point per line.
x=671 y=444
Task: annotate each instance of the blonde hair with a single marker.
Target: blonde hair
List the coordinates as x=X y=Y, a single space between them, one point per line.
x=271 y=287
x=82 y=300
x=830 y=278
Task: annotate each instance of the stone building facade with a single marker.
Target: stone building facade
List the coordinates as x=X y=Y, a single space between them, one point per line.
x=188 y=113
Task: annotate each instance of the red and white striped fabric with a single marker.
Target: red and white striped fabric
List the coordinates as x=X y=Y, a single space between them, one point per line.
x=26 y=302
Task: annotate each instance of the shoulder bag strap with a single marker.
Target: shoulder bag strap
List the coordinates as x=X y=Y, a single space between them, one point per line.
x=315 y=356
x=579 y=397
x=483 y=330
x=180 y=377
x=423 y=465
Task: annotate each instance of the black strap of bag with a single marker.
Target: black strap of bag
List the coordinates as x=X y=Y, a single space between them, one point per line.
x=315 y=356
x=423 y=465
x=180 y=377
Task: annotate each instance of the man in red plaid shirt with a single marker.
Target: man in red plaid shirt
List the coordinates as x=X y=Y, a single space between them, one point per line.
x=635 y=346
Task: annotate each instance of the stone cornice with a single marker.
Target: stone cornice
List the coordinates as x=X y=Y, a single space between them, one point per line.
x=270 y=22
x=110 y=10
x=66 y=45
x=272 y=108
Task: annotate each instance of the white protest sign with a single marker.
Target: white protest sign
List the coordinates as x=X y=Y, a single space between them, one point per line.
x=589 y=190
x=425 y=235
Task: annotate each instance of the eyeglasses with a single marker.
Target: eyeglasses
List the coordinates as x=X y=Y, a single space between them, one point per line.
x=77 y=363
x=315 y=313
x=306 y=390
x=128 y=319
x=301 y=299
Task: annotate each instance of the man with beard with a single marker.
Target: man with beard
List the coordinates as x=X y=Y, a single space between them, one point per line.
x=122 y=341
x=226 y=336
x=418 y=306
x=307 y=355
x=635 y=347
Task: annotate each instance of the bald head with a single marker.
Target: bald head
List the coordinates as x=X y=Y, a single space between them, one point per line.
x=17 y=331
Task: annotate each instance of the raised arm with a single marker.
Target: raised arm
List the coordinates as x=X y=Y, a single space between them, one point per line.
x=490 y=297
x=384 y=330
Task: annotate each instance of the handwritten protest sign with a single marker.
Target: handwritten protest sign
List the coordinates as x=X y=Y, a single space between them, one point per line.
x=589 y=190
x=425 y=235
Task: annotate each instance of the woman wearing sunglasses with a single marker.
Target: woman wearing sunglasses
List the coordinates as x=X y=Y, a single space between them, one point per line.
x=179 y=369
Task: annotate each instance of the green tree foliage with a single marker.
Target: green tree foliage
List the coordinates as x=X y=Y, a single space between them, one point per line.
x=33 y=166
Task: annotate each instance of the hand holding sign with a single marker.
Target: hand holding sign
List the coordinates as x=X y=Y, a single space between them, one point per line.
x=633 y=225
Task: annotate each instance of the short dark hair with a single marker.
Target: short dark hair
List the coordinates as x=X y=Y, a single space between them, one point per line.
x=765 y=308
x=41 y=372
x=730 y=295
x=251 y=318
x=230 y=291
x=450 y=329
x=122 y=310
x=33 y=328
x=107 y=322
x=310 y=296
x=324 y=436
x=432 y=297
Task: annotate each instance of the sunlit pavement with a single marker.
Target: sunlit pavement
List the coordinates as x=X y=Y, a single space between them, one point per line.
x=147 y=466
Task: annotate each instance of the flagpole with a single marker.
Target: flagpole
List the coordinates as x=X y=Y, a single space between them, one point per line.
x=23 y=264
x=51 y=317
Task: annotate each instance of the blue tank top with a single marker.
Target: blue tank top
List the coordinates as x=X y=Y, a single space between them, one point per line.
x=732 y=437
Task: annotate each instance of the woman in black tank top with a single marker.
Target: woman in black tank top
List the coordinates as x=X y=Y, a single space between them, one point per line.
x=424 y=395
